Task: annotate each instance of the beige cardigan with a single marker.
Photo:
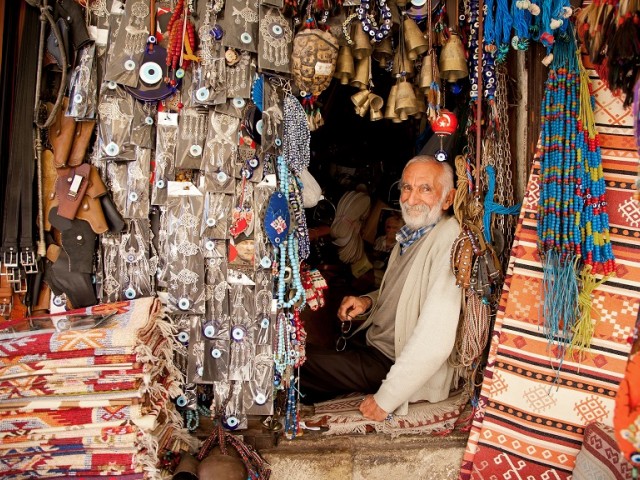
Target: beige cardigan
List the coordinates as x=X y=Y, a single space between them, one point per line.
x=426 y=324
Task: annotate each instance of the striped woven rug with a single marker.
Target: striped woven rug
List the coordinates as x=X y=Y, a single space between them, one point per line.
x=528 y=426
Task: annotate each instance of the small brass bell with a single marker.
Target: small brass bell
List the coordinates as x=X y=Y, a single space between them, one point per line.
x=375 y=115
x=361 y=47
x=390 y=111
x=414 y=40
x=401 y=63
x=376 y=101
x=453 y=64
x=426 y=77
x=383 y=52
x=345 y=68
x=361 y=78
x=406 y=103
x=360 y=98
x=362 y=111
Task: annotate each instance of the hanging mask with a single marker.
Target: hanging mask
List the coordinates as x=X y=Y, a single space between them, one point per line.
x=277 y=219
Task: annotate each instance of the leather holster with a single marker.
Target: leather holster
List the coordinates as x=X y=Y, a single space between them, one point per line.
x=61 y=135
x=71 y=186
x=78 y=240
x=82 y=136
x=90 y=207
x=76 y=285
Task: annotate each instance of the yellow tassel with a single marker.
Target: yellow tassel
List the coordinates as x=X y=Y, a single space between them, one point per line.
x=586 y=111
x=189 y=55
x=585 y=326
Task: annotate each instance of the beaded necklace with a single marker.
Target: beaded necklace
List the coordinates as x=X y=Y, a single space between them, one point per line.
x=488 y=59
x=573 y=225
x=364 y=11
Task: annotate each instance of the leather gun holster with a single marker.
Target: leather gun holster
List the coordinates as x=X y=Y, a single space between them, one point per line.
x=89 y=205
x=69 y=138
x=69 y=268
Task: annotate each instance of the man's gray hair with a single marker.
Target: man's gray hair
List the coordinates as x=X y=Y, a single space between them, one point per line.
x=446 y=178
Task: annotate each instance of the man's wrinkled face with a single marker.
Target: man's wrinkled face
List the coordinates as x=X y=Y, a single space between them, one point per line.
x=422 y=198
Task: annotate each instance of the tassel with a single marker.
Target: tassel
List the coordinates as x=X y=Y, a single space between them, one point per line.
x=560 y=299
x=585 y=326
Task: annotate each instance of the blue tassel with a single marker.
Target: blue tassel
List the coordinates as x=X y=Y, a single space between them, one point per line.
x=560 y=300
x=257 y=92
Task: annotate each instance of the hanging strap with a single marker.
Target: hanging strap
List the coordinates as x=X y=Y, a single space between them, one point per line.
x=18 y=219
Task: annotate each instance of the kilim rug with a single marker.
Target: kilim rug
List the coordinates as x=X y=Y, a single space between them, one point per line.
x=342 y=417
x=528 y=426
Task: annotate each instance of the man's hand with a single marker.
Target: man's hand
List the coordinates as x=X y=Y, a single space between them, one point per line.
x=351 y=307
x=370 y=409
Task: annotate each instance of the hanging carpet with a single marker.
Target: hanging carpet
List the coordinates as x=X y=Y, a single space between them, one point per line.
x=532 y=418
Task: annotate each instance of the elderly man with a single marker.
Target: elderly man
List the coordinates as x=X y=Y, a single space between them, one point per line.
x=399 y=354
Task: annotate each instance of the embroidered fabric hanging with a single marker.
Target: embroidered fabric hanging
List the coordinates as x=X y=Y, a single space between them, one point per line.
x=573 y=225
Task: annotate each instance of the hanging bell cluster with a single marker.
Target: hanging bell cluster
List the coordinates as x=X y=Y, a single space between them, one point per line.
x=367 y=101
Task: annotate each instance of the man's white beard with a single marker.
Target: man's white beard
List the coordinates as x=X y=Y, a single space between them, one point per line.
x=418 y=216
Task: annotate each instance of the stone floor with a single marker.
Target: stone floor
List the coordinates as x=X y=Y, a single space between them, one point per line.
x=367 y=457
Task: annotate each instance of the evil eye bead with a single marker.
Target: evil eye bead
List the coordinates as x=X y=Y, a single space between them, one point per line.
x=278 y=142
x=246 y=172
x=254 y=162
x=152 y=40
x=58 y=301
x=216 y=32
x=149 y=120
x=222 y=177
x=260 y=398
x=160 y=183
x=129 y=65
x=210 y=245
x=441 y=156
x=276 y=30
x=232 y=422
x=63 y=325
x=150 y=73
x=112 y=149
x=183 y=304
x=77 y=98
x=238 y=102
x=183 y=337
x=112 y=85
x=264 y=323
x=216 y=353
x=211 y=222
x=259 y=126
x=202 y=94
x=265 y=262
x=635 y=457
x=514 y=42
x=180 y=73
x=237 y=333
x=133 y=196
x=130 y=293
x=181 y=401
x=245 y=38
x=209 y=331
x=195 y=150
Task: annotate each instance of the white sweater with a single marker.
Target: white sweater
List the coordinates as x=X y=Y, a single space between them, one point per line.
x=426 y=324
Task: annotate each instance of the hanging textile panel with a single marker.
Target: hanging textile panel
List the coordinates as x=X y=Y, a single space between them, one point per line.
x=532 y=413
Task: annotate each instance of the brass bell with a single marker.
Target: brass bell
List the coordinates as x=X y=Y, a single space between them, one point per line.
x=421 y=105
x=390 y=111
x=426 y=77
x=401 y=63
x=383 y=52
x=376 y=101
x=375 y=115
x=345 y=69
x=360 y=98
x=414 y=40
x=361 y=78
x=453 y=64
x=362 y=47
x=406 y=103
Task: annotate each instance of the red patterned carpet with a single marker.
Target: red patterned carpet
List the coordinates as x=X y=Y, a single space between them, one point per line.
x=530 y=426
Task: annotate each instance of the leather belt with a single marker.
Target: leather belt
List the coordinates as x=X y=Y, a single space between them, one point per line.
x=18 y=246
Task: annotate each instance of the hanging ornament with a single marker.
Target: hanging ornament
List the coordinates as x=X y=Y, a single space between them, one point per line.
x=443 y=125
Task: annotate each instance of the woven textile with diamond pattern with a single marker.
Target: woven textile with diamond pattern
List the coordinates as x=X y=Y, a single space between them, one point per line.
x=88 y=402
x=529 y=425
